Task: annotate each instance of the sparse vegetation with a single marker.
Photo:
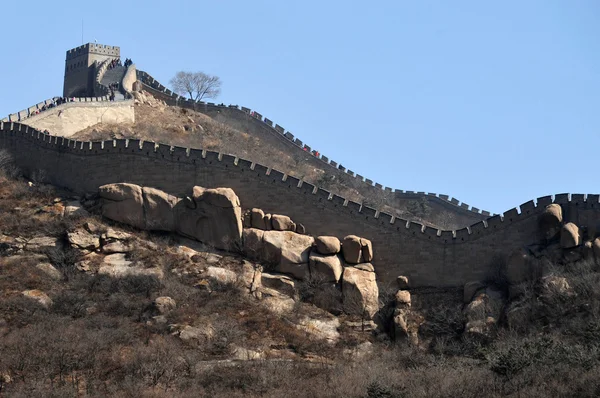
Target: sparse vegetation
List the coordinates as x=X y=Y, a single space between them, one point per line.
x=100 y=336
x=198 y=85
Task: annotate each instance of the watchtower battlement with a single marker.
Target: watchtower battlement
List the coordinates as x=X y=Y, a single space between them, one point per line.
x=80 y=67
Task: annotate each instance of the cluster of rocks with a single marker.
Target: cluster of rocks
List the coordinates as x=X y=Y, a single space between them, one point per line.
x=530 y=267
x=212 y=216
x=143 y=98
x=325 y=260
x=256 y=218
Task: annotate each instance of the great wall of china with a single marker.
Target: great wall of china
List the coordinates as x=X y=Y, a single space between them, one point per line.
x=428 y=256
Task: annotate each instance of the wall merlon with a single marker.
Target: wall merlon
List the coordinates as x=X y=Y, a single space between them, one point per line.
x=292 y=182
x=259 y=169
x=276 y=175
x=577 y=197
x=279 y=129
x=561 y=198
x=485 y=213
x=388 y=189
x=323 y=194
x=454 y=201
x=461 y=234
x=464 y=206
x=353 y=206
x=415 y=228
x=368 y=211
x=385 y=218
x=593 y=198
x=306 y=188
x=369 y=182
x=245 y=164
x=444 y=197
x=268 y=122
x=511 y=215
x=446 y=236
x=338 y=200
x=478 y=228
x=229 y=160
x=494 y=221
x=527 y=207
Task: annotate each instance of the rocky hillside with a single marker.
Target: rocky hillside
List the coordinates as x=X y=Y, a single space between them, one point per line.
x=158 y=122
x=93 y=307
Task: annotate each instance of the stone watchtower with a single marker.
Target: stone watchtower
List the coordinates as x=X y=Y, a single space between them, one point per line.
x=80 y=68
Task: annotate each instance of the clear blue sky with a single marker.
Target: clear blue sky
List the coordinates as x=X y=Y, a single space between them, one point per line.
x=494 y=103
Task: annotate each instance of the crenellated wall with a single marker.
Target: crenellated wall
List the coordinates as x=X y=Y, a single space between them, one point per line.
x=128 y=80
x=429 y=257
x=443 y=209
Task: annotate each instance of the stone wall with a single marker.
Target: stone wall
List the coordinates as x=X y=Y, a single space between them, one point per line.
x=129 y=78
x=429 y=257
x=443 y=209
x=67 y=119
x=80 y=68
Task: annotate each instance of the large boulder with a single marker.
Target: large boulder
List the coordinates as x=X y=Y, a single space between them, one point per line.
x=596 y=249
x=288 y=251
x=158 y=209
x=325 y=268
x=352 y=249
x=82 y=239
x=221 y=275
x=366 y=250
x=550 y=221
x=521 y=266
x=570 y=236
x=124 y=203
x=282 y=223
x=257 y=218
x=402 y=282
x=37 y=295
x=360 y=292
x=164 y=305
x=212 y=216
x=280 y=283
x=357 y=250
x=268 y=224
x=403 y=299
x=327 y=244
x=253 y=243
x=484 y=311
x=470 y=289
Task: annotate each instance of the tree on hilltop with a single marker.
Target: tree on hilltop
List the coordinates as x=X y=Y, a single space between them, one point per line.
x=197 y=85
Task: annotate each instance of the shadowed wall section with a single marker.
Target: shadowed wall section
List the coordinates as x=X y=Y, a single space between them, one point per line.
x=429 y=257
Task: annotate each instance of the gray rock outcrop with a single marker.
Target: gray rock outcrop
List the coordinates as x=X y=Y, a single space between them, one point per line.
x=360 y=292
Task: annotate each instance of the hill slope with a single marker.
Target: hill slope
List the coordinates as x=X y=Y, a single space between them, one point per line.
x=156 y=121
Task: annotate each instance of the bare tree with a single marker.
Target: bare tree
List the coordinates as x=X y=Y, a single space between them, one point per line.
x=197 y=85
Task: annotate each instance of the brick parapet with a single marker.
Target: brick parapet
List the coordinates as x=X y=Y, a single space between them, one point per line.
x=159 y=90
x=430 y=257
